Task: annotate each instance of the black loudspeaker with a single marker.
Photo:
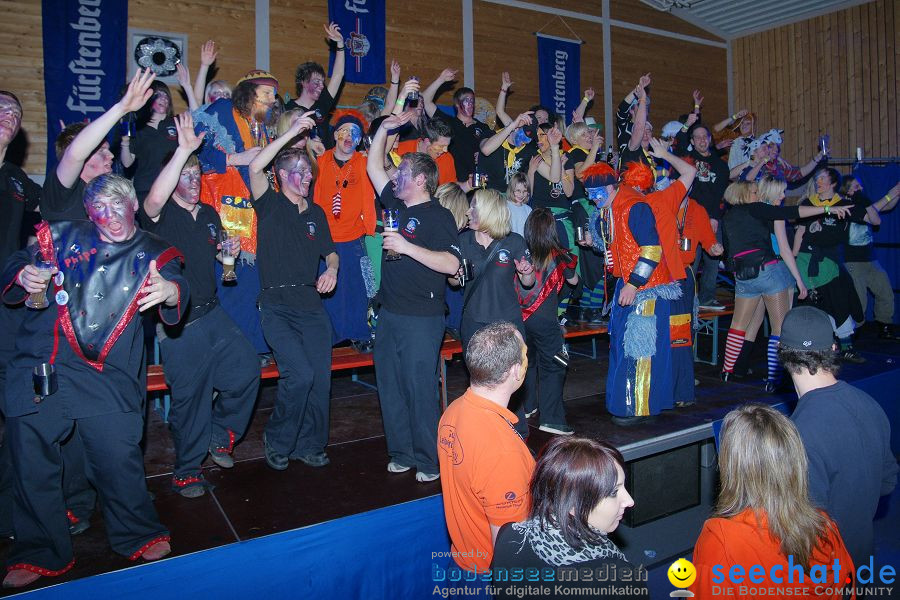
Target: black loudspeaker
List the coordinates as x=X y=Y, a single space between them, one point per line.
x=663 y=484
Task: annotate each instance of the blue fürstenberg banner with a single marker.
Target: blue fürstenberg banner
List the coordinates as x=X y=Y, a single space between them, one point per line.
x=84 y=61
x=559 y=73
x=362 y=25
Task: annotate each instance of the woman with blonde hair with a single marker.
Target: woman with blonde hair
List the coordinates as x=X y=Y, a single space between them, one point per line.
x=759 y=271
x=493 y=259
x=764 y=515
x=454 y=199
x=312 y=146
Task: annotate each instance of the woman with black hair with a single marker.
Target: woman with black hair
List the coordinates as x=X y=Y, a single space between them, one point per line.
x=578 y=497
x=553 y=266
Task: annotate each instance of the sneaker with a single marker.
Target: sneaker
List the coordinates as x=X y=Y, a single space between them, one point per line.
x=189 y=486
x=221 y=456
x=712 y=305
x=556 y=428
x=531 y=413
x=277 y=461
x=318 y=459
x=631 y=421
x=426 y=477
x=852 y=356
x=395 y=467
x=192 y=491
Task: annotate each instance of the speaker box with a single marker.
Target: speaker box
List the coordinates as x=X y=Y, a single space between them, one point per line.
x=663 y=484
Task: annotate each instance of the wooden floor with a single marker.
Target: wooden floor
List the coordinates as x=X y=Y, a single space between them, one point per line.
x=252 y=500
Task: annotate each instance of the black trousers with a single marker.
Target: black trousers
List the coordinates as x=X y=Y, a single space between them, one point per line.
x=301 y=342
x=467 y=329
x=209 y=354
x=114 y=465
x=546 y=377
x=407 y=351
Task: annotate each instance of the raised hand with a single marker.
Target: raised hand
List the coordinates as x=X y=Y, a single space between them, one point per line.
x=396 y=121
x=554 y=136
x=395 y=71
x=187 y=139
x=524 y=119
x=333 y=33
x=691 y=119
x=447 y=74
x=242 y=159
x=411 y=85
x=534 y=163
x=658 y=148
x=304 y=122
x=589 y=94
x=644 y=81
x=741 y=114
x=208 y=53
x=157 y=291
x=138 y=91
x=182 y=75
x=505 y=81
x=698 y=99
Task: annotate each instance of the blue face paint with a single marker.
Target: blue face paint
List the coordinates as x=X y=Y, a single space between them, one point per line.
x=520 y=138
x=598 y=195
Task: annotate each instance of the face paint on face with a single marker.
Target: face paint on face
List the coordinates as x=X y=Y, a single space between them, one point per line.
x=438 y=147
x=313 y=88
x=100 y=163
x=299 y=178
x=598 y=195
x=348 y=137
x=541 y=117
x=265 y=98
x=466 y=105
x=10 y=119
x=403 y=180
x=113 y=216
x=188 y=188
x=520 y=137
x=160 y=103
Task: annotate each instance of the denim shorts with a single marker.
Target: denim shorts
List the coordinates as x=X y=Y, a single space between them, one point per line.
x=771 y=280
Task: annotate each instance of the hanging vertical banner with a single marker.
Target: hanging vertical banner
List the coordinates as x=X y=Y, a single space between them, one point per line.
x=84 y=61
x=362 y=25
x=559 y=73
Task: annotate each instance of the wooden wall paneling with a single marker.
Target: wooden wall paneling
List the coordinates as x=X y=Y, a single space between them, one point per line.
x=891 y=22
x=841 y=143
x=854 y=130
x=231 y=23
x=882 y=100
x=23 y=75
x=296 y=36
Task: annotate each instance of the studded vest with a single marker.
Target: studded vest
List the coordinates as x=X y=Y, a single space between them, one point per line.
x=97 y=287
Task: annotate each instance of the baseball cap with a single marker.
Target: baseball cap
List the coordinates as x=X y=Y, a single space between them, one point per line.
x=807 y=328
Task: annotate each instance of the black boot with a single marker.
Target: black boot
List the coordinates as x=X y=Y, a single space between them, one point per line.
x=742 y=364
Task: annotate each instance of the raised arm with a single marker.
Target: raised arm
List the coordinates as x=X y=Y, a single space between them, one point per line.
x=70 y=165
x=375 y=161
x=811 y=165
x=730 y=120
x=428 y=95
x=167 y=180
x=686 y=171
x=596 y=143
x=493 y=143
x=208 y=53
x=333 y=31
x=259 y=183
x=554 y=174
x=505 y=84
x=578 y=113
x=393 y=92
x=184 y=79
x=640 y=115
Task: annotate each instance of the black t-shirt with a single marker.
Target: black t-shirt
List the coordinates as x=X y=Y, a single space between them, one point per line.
x=827 y=231
x=289 y=245
x=494 y=165
x=324 y=105
x=197 y=240
x=577 y=155
x=627 y=155
x=407 y=286
x=59 y=203
x=151 y=146
x=749 y=227
x=548 y=195
x=548 y=310
x=710 y=183
x=18 y=195
x=465 y=143
x=495 y=297
x=859 y=246
x=514 y=553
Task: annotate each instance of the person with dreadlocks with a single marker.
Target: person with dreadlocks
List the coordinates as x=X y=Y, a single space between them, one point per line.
x=345 y=194
x=646 y=263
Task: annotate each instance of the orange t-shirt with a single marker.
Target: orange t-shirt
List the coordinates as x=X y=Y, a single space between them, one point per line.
x=664 y=205
x=485 y=474
x=725 y=544
x=357 y=217
x=698 y=230
x=445 y=163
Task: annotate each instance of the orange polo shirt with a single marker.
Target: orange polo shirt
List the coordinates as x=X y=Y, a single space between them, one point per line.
x=357 y=216
x=485 y=474
x=445 y=163
x=743 y=542
x=664 y=205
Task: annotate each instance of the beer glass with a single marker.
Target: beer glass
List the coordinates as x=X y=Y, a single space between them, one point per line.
x=38 y=300
x=229 y=242
x=391 y=221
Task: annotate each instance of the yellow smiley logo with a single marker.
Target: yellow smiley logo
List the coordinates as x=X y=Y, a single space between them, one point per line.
x=682 y=573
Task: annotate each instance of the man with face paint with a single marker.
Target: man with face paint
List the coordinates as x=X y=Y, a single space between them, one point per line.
x=507 y=152
x=639 y=382
x=235 y=131
x=345 y=194
x=155 y=139
x=468 y=132
x=437 y=139
x=294 y=235
x=411 y=317
x=84 y=154
x=312 y=93
x=91 y=342
x=206 y=351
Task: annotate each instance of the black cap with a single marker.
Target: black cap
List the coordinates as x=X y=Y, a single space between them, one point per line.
x=807 y=328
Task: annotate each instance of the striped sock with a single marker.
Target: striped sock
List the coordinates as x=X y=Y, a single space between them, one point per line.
x=774 y=367
x=733 y=344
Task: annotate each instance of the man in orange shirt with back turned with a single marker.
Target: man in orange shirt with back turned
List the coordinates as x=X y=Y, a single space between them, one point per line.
x=485 y=466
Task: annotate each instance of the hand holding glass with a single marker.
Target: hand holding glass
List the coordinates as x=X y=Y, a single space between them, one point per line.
x=38 y=300
x=390 y=219
x=229 y=245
